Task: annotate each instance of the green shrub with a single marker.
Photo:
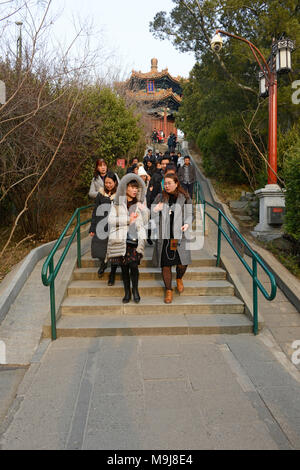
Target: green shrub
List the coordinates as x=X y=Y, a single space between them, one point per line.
x=220 y=155
x=116 y=133
x=292 y=183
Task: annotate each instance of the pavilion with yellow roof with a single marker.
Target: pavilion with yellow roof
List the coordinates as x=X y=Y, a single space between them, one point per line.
x=162 y=94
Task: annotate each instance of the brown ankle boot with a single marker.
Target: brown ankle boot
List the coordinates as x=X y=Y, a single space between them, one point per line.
x=180 y=286
x=169 y=297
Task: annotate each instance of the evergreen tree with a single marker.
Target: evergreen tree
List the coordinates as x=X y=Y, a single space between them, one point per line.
x=221 y=109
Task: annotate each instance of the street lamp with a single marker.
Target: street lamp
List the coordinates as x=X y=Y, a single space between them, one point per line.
x=280 y=61
x=19 y=42
x=282 y=49
x=263 y=88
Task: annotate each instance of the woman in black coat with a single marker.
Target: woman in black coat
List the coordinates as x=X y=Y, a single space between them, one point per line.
x=99 y=225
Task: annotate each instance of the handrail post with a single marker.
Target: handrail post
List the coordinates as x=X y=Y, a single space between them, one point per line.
x=204 y=217
x=219 y=239
x=255 y=308
x=52 y=302
x=78 y=240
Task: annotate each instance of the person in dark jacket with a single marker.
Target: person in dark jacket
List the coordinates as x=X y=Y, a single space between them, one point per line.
x=172 y=142
x=132 y=165
x=150 y=167
x=187 y=175
x=155 y=187
x=148 y=156
x=98 y=231
x=174 y=158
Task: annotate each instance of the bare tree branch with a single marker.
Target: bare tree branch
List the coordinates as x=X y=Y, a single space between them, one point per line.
x=29 y=196
x=31 y=59
x=208 y=39
x=16 y=184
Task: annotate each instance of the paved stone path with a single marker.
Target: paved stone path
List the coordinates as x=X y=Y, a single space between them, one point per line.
x=282 y=319
x=197 y=392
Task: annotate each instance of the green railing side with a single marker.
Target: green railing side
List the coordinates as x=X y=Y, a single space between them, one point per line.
x=256 y=260
x=49 y=272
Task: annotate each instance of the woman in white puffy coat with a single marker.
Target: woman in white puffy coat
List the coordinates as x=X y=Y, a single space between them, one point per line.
x=128 y=221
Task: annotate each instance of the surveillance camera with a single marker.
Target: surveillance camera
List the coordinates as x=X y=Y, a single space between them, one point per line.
x=216 y=43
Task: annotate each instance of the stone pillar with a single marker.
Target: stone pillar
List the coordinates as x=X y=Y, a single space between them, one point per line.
x=270 y=196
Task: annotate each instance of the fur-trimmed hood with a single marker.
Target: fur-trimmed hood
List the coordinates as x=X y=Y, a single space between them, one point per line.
x=104 y=193
x=122 y=188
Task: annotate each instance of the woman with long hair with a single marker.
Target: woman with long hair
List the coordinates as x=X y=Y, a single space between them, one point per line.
x=128 y=221
x=101 y=170
x=173 y=217
x=99 y=225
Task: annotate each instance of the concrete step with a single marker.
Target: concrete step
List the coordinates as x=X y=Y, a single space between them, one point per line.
x=152 y=306
x=150 y=325
x=148 y=288
x=198 y=273
x=88 y=262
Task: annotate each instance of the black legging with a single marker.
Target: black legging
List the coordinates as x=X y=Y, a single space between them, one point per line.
x=130 y=271
x=167 y=274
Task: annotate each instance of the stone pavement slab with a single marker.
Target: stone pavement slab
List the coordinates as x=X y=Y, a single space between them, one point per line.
x=10 y=379
x=133 y=393
x=21 y=329
x=281 y=318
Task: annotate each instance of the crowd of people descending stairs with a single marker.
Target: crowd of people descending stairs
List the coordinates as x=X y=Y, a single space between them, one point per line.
x=151 y=204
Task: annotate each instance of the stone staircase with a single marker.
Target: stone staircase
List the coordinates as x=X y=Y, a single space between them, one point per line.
x=207 y=306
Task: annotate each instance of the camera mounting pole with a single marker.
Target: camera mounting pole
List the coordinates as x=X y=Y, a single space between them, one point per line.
x=271 y=80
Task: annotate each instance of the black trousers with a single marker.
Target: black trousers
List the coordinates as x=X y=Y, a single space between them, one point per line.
x=189 y=187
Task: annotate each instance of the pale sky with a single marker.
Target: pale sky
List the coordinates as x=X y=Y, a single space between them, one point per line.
x=125 y=31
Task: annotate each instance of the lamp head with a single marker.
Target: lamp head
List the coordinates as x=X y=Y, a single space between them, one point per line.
x=216 y=43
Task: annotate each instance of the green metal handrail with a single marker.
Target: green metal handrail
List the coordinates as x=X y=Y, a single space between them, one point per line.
x=255 y=258
x=49 y=280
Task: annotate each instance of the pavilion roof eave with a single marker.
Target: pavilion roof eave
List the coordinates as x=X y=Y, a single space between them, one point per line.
x=160 y=111
x=156 y=97
x=154 y=76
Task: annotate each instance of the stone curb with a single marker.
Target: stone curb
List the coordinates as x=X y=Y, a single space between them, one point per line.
x=19 y=279
x=286 y=282
x=240 y=291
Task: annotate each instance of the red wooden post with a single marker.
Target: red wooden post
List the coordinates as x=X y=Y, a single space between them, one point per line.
x=165 y=123
x=272 y=170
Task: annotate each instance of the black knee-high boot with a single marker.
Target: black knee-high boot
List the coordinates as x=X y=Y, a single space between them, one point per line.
x=126 y=282
x=102 y=268
x=112 y=276
x=134 y=274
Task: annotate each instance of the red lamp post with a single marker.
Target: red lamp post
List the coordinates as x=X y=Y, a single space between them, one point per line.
x=280 y=61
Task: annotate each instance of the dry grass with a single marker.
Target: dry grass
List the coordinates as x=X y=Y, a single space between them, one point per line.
x=232 y=192
x=19 y=249
x=14 y=255
x=229 y=192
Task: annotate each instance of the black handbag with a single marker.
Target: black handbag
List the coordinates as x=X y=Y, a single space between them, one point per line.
x=132 y=236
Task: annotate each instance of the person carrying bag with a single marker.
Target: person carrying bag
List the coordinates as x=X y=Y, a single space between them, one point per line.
x=128 y=222
x=172 y=212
